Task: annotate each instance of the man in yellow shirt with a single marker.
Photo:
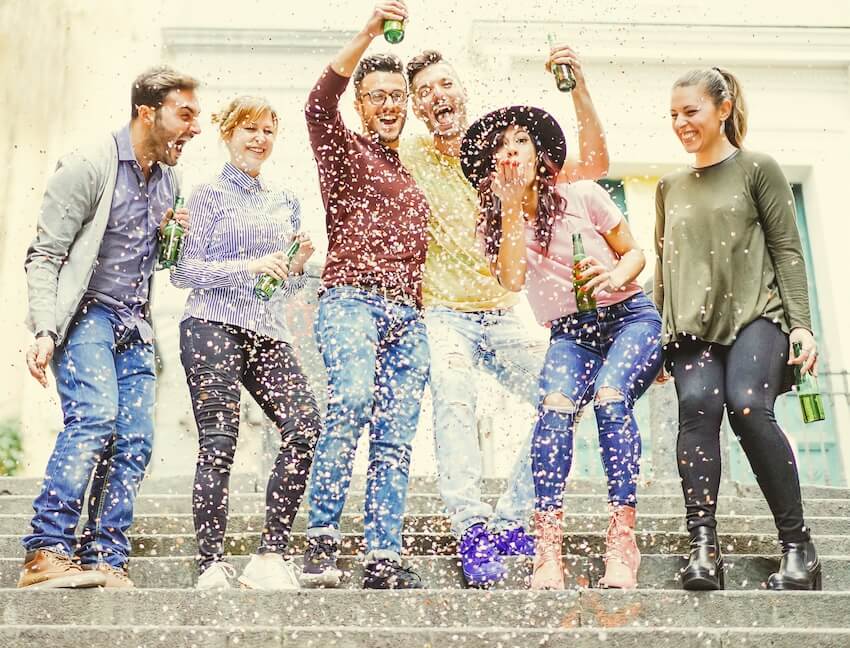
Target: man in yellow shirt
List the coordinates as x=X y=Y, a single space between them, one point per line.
x=470 y=318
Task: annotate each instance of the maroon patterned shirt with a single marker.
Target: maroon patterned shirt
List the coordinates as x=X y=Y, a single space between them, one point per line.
x=375 y=214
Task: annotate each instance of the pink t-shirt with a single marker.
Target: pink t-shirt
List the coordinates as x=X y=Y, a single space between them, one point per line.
x=549 y=278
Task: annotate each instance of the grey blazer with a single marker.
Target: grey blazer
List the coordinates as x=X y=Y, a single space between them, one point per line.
x=74 y=214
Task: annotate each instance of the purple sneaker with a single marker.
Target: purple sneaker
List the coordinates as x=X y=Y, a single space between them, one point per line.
x=514 y=542
x=482 y=565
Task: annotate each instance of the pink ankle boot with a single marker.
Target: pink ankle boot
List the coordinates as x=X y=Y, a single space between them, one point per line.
x=622 y=557
x=548 y=567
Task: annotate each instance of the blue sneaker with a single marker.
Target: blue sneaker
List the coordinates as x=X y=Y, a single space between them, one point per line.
x=514 y=542
x=482 y=566
x=320 y=567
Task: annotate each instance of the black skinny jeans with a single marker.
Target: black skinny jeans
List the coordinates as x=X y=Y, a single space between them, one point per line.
x=746 y=378
x=217 y=358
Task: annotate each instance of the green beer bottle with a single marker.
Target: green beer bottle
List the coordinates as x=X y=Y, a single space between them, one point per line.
x=806 y=386
x=394 y=31
x=585 y=301
x=266 y=284
x=169 y=249
x=564 y=77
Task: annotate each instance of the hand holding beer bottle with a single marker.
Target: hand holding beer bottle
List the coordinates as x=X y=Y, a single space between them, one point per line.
x=804 y=357
x=808 y=391
x=305 y=251
x=173 y=227
x=275 y=268
x=596 y=278
x=585 y=301
x=388 y=19
x=564 y=64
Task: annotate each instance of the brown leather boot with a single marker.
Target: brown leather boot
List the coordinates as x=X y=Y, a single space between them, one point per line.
x=548 y=571
x=116 y=578
x=622 y=557
x=45 y=569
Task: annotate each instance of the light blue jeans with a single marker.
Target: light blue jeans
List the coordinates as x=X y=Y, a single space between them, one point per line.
x=105 y=378
x=461 y=345
x=376 y=354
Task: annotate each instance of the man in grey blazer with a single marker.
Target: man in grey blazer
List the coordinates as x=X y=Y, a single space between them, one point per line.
x=88 y=278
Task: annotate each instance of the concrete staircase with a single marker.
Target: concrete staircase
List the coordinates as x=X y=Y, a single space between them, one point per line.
x=164 y=611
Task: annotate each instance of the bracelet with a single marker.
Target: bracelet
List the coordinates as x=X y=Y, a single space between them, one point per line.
x=46 y=333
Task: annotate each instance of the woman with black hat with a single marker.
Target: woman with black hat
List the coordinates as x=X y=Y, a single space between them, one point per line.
x=605 y=338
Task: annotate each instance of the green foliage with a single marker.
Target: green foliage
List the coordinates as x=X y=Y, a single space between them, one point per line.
x=11 y=450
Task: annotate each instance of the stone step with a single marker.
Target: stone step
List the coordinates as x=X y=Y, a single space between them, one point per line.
x=248 y=483
x=657 y=571
x=430 y=503
x=392 y=637
x=154 y=523
x=419 y=609
x=423 y=543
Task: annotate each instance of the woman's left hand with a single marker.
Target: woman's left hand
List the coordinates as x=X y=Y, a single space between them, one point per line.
x=305 y=251
x=808 y=358
x=602 y=279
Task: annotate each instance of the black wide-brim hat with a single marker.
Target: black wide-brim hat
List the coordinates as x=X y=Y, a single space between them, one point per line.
x=541 y=126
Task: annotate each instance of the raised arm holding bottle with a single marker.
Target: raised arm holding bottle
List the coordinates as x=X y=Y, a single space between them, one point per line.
x=472 y=325
x=369 y=325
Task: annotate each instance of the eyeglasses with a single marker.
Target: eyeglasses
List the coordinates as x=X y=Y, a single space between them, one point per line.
x=379 y=97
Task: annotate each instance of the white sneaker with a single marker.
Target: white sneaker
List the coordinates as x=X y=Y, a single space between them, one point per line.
x=269 y=571
x=216 y=576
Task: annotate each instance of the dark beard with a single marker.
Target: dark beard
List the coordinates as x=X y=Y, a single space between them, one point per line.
x=158 y=142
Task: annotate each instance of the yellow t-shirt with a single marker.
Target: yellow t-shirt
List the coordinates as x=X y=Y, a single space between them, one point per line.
x=456 y=273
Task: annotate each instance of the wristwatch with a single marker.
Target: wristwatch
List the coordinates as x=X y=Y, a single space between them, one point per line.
x=46 y=333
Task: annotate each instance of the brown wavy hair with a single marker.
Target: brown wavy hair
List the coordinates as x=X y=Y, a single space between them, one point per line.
x=550 y=202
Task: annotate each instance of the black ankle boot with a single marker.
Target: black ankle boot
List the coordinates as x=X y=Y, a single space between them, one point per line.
x=705 y=565
x=799 y=568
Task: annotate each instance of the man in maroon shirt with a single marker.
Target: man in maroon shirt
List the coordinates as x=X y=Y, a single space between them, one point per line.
x=369 y=326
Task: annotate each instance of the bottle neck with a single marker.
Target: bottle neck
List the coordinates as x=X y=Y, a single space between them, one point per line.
x=578 y=245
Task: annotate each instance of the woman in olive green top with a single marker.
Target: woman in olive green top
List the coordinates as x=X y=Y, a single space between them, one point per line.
x=731 y=285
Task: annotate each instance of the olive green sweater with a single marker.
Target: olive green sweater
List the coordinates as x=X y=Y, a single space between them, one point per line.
x=728 y=250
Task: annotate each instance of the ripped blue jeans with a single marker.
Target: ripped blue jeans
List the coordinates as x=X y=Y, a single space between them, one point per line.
x=611 y=356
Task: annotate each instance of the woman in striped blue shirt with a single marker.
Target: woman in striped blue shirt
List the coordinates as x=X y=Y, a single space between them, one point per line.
x=228 y=337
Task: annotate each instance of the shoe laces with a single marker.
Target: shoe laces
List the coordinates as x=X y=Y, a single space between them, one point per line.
x=283 y=568
x=56 y=558
x=228 y=569
x=118 y=573
x=482 y=542
x=399 y=568
x=617 y=531
x=550 y=548
x=322 y=548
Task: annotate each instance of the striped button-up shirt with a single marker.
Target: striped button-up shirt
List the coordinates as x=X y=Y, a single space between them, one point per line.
x=233 y=221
